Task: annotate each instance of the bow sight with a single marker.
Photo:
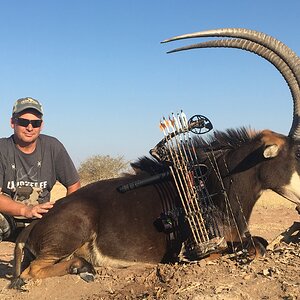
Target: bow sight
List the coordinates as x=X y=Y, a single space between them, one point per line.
x=172 y=127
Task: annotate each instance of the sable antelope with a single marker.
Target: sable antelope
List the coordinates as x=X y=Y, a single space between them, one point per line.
x=99 y=226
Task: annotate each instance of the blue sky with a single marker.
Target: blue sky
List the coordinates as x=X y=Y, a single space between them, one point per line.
x=105 y=80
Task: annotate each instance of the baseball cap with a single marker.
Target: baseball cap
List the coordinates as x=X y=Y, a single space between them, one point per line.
x=26 y=103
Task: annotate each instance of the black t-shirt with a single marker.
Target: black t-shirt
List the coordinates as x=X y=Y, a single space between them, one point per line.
x=49 y=163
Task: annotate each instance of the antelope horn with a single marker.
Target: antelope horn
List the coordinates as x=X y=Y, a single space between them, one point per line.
x=277 y=47
x=261 y=38
x=269 y=55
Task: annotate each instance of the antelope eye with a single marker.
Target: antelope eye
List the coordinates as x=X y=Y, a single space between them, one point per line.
x=297 y=153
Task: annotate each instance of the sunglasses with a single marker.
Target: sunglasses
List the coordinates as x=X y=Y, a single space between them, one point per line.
x=25 y=122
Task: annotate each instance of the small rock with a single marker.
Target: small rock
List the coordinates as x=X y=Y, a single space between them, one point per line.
x=247 y=277
x=266 y=272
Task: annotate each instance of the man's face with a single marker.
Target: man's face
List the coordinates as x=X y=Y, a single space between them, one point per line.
x=26 y=131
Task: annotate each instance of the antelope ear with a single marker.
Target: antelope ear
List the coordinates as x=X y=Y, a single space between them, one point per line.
x=271 y=151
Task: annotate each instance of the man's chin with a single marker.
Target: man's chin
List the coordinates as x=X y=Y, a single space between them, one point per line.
x=28 y=140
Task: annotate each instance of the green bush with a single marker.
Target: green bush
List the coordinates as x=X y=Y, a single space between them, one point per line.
x=99 y=167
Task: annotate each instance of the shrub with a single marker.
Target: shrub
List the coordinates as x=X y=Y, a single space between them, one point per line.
x=99 y=167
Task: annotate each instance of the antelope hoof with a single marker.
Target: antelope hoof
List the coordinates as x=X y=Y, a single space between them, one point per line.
x=87 y=268
x=17 y=284
x=259 y=249
x=87 y=277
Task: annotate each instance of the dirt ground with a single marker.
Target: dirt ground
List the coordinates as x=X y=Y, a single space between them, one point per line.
x=275 y=276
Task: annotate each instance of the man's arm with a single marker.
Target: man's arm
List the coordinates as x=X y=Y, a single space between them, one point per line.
x=66 y=172
x=72 y=188
x=13 y=208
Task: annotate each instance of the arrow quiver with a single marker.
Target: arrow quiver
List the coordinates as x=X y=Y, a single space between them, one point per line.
x=178 y=151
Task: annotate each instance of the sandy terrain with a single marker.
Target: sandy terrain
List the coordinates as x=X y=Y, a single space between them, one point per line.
x=276 y=276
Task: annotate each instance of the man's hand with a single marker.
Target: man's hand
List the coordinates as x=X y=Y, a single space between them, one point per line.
x=37 y=210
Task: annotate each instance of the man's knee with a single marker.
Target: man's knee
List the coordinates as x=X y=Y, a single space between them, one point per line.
x=10 y=228
x=5 y=228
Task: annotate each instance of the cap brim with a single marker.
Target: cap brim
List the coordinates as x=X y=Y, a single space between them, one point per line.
x=29 y=107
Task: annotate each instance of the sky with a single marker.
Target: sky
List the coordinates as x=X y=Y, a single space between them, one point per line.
x=105 y=80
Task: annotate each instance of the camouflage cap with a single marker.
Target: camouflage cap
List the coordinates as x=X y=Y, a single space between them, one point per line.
x=26 y=103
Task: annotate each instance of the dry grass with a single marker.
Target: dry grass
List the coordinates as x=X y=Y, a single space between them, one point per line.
x=58 y=192
x=271 y=199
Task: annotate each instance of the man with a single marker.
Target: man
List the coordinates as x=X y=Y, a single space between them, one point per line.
x=30 y=164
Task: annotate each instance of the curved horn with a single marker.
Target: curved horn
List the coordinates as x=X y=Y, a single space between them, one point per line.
x=269 y=55
x=268 y=43
x=261 y=38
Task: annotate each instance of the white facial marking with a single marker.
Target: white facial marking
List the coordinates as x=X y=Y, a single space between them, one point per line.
x=294 y=185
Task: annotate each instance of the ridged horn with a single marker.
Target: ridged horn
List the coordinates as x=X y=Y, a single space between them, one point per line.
x=261 y=38
x=267 y=54
x=269 y=43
